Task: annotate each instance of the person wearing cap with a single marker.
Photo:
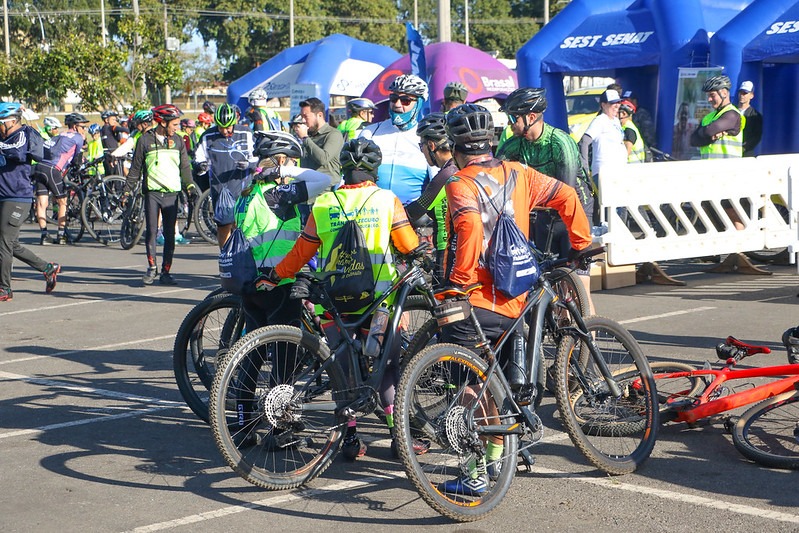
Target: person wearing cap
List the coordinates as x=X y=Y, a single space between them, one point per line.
x=187 y=130
x=754 y=120
x=361 y=112
x=604 y=137
x=455 y=94
x=112 y=135
x=720 y=134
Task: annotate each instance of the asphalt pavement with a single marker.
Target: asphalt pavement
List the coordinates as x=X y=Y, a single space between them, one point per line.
x=94 y=436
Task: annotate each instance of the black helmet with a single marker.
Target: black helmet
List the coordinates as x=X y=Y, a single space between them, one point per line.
x=209 y=107
x=272 y=143
x=525 y=100
x=470 y=128
x=361 y=154
x=357 y=105
x=715 y=83
x=455 y=90
x=109 y=113
x=75 y=118
x=433 y=127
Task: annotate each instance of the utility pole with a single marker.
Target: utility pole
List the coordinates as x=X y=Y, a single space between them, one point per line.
x=102 y=21
x=466 y=22
x=136 y=45
x=5 y=27
x=546 y=12
x=444 y=23
x=291 y=24
x=167 y=88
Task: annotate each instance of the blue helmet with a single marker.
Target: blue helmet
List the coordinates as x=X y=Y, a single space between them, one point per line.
x=94 y=128
x=10 y=109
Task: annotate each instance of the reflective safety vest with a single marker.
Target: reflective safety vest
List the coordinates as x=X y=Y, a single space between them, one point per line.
x=727 y=145
x=351 y=127
x=638 y=154
x=375 y=213
x=270 y=238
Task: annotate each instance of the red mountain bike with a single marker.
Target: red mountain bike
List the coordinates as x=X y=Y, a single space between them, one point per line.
x=768 y=432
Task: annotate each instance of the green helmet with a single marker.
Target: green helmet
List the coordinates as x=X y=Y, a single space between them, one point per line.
x=225 y=116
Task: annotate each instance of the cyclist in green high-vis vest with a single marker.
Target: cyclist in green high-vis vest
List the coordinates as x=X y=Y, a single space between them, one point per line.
x=720 y=134
x=361 y=112
x=267 y=214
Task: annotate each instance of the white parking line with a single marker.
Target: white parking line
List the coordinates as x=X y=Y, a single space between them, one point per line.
x=309 y=494
x=89 y=349
x=664 y=315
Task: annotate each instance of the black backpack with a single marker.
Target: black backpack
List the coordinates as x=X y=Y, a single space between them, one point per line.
x=508 y=257
x=356 y=287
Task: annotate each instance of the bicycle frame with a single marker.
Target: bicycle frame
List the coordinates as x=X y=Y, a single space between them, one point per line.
x=704 y=406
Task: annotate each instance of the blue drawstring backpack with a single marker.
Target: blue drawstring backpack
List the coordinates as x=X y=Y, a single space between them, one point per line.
x=237 y=271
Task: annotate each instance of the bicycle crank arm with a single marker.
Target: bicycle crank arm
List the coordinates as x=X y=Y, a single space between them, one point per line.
x=501 y=429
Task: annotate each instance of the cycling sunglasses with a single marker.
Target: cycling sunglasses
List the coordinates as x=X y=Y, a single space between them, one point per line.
x=404 y=100
x=512 y=118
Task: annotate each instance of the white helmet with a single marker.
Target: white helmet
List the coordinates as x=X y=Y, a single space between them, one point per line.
x=409 y=84
x=51 y=123
x=257 y=98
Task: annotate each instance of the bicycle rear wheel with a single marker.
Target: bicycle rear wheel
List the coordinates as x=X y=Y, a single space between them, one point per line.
x=101 y=211
x=274 y=407
x=74 y=227
x=768 y=433
x=616 y=434
x=434 y=398
x=204 y=218
x=204 y=337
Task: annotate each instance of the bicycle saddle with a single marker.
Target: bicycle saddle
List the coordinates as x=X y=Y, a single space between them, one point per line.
x=750 y=349
x=457 y=292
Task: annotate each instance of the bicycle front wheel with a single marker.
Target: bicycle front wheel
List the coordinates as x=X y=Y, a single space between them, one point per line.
x=132 y=227
x=435 y=400
x=204 y=337
x=273 y=407
x=101 y=211
x=615 y=433
x=768 y=433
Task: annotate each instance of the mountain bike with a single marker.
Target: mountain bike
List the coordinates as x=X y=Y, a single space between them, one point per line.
x=133 y=220
x=203 y=214
x=280 y=404
x=768 y=432
x=102 y=209
x=461 y=400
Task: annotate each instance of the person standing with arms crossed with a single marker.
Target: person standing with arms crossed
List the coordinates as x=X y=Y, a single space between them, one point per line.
x=161 y=161
x=19 y=146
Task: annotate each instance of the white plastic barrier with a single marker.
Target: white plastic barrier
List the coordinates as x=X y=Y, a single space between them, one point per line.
x=683 y=209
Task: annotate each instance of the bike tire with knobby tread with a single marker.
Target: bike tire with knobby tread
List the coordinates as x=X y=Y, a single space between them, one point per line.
x=198 y=348
x=436 y=466
x=132 y=228
x=615 y=434
x=315 y=425
x=98 y=202
x=768 y=432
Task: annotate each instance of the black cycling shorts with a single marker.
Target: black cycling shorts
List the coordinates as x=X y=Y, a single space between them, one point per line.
x=49 y=180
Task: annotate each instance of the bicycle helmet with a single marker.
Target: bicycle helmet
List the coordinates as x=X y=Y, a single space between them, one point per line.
x=205 y=118
x=409 y=84
x=716 y=83
x=51 y=123
x=108 y=113
x=187 y=123
x=225 y=116
x=471 y=128
x=209 y=108
x=94 y=129
x=297 y=119
x=166 y=112
x=74 y=118
x=257 y=98
x=141 y=116
x=10 y=109
x=361 y=154
x=455 y=90
x=525 y=100
x=628 y=107
x=356 y=105
x=274 y=143
x=433 y=127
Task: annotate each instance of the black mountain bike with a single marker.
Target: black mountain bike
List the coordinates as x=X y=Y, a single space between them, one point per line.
x=281 y=402
x=460 y=399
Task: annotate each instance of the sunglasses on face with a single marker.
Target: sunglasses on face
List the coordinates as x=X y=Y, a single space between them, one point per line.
x=512 y=118
x=404 y=100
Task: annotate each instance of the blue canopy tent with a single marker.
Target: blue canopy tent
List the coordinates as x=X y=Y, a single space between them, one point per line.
x=640 y=43
x=762 y=45
x=336 y=64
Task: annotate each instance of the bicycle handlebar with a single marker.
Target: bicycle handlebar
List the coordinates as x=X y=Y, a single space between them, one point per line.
x=583 y=259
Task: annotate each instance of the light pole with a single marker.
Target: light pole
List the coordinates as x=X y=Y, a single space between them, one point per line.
x=45 y=46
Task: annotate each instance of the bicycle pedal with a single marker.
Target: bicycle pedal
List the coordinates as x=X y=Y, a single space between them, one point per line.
x=527 y=458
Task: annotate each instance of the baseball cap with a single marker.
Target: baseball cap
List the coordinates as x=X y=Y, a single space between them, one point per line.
x=610 y=96
x=747 y=87
x=627 y=95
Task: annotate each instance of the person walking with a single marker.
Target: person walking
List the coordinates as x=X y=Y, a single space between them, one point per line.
x=19 y=145
x=160 y=160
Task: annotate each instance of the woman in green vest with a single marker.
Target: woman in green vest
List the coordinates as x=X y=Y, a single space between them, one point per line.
x=633 y=141
x=385 y=226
